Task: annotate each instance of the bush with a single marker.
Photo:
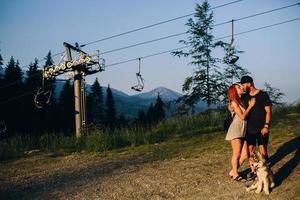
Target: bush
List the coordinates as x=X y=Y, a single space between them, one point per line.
x=98 y=139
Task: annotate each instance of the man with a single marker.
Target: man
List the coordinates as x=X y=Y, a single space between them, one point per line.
x=258 y=120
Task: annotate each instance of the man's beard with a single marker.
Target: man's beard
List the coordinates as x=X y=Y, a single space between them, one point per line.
x=247 y=89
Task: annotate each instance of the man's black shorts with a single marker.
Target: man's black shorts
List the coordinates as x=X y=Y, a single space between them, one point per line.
x=253 y=139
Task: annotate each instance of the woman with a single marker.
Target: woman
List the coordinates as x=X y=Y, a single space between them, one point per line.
x=237 y=130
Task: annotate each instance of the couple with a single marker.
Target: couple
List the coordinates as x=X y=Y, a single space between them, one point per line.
x=251 y=109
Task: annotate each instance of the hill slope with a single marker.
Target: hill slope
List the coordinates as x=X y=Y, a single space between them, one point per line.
x=185 y=167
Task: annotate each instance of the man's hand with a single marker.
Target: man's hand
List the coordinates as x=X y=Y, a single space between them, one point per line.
x=264 y=132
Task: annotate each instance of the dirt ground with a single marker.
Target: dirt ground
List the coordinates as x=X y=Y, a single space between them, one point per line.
x=191 y=171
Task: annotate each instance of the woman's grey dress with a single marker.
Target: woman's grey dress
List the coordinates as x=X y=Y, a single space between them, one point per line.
x=237 y=128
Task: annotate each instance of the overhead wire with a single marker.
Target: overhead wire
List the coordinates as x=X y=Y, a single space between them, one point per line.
x=124 y=33
x=161 y=38
x=223 y=37
x=168 y=51
x=155 y=24
x=183 y=33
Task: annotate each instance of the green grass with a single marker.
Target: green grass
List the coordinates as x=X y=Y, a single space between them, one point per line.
x=96 y=140
x=192 y=149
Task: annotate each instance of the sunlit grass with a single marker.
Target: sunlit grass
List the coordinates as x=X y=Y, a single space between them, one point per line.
x=204 y=130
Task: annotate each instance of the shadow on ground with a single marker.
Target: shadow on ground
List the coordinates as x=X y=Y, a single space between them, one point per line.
x=285 y=170
x=286 y=149
x=49 y=187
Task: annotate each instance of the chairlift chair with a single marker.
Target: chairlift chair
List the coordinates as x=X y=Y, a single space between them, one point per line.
x=230 y=57
x=140 y=84
x=42 y=97
x=2 y=128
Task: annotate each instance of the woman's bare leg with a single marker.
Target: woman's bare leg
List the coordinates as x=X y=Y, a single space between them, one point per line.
x=244 y=154
x=236 y=145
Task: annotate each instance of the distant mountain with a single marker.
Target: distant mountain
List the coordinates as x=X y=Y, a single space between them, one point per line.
x=2 y=71
x=295 y=103
x=165 y=93
x=130 y=105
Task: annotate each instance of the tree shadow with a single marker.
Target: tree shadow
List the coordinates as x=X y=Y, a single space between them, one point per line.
x=60 y=181
x=286 y=169
x=286 y=149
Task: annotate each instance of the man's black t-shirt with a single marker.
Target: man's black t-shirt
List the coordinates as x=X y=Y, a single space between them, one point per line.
x=257 y=116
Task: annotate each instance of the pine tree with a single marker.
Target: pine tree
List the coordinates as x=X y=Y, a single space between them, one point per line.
x=50 y=83
x=95 y=108
x=159 y=112
x=1 y=67
x=122 y=122
x=13 y=74
x=66 y=108
x=32 y=81
x=34 y=76
x=274 y=94
x=206 y=80
x=141 y=117
x=1 y=89
x=150 y=114
x=232 y=71
x=50 y=111
x=110 y=113
x=13 y=109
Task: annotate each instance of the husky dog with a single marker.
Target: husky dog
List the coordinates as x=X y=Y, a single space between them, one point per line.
x=265 y=177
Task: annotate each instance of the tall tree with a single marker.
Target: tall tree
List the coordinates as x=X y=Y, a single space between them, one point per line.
x=110 y=112
x=32 y=81
x=1 y=89
x=19 y=105
x=66 y=108
x=1 y=65
x=95 y=108
x=14 y=88
x=141 y=117
x=49 y=112
x=122 y=122
x=33 y=76
x=274 y=94
x=205 y=82
x=150 y=116
x=233 y=71
x=159 y=112
x=50 y=83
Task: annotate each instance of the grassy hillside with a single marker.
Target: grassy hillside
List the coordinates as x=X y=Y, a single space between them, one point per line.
x=185 y=158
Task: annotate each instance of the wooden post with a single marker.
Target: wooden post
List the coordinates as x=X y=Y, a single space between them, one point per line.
x=77 y=93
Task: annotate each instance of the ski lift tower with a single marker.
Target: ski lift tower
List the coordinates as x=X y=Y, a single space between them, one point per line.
x=80 y=67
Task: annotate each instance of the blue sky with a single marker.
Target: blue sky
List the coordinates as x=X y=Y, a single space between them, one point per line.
x=31 y=28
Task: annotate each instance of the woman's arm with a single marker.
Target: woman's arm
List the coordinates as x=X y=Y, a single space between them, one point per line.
x=239 y=112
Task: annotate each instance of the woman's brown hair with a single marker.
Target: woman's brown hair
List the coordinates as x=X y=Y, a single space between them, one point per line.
x=233 y=95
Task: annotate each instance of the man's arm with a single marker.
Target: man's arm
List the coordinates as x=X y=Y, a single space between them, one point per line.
x=265 y=130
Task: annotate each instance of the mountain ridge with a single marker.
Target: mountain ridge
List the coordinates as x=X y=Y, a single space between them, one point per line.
x=130 y=105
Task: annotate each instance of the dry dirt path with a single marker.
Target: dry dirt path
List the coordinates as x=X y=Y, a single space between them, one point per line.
x=184 y=168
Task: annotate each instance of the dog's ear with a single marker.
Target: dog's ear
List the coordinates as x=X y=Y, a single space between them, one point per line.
x=260 y=164
x=260 y=157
